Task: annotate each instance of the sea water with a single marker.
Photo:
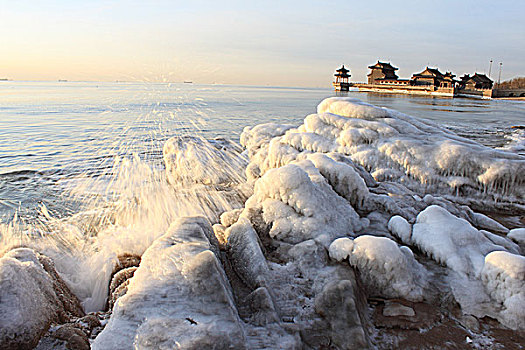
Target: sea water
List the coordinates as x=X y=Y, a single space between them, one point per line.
x=54 y=131
x=81 y=163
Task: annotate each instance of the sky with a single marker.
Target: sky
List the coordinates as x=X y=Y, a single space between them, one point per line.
x=278 y=43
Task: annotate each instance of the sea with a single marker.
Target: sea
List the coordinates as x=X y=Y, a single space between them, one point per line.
x=54 y=133
x=82 y=174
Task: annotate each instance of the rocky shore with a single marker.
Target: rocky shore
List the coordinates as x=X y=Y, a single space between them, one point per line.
x=361 y=228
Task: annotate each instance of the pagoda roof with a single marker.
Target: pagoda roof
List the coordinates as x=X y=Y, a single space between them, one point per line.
x=481 y=78
x=434 y=72
x=477 y=77
x=342 y=69
x=383 y=65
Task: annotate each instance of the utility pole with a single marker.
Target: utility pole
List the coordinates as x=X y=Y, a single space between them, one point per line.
x=499 y=76
x=490 y=68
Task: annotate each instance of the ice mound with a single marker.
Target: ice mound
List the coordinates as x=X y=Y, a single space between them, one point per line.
x=504 y=277
x=299 y=204
x=178 y=297
x=32 y=296
x=210 y=162
x=392 y=146
x=480 y=265
x=450 y=240
x=517 y=235
x=384 y=266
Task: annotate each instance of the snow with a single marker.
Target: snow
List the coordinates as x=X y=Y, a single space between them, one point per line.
x=383 y=265
x=504 y=277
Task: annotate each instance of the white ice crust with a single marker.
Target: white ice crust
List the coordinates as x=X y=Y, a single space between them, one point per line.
x=504 y=278
x=299 y=203
x=517 y=235
x=392 y=146
x=179 y=297
x=383 y=265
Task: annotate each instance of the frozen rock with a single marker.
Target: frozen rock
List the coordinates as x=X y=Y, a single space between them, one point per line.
x=178 y=295
x=393 y=146
x=517 y=235
x=337 y=304
x=341 y=248
x=299 y=204
x=504 y=277
x=230 y=217
x=451 y=241
x=502 y=241
x=262 y=308
x=484 y=222
x=384 y=267
x=400 y=228
x=32 y=297
x=246 y=255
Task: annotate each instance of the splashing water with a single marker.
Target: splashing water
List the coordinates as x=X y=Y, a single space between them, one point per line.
x=126 y=205
x=115 y=189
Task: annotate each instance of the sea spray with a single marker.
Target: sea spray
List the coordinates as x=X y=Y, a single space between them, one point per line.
x=124 y=213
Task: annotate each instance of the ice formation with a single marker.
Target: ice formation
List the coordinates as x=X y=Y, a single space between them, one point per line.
x=393 y=146
x=517 y=235
x=179 y=297
x=299 y=204
x=32 y=297
x=383 y=265
x=308 y=223
x=504 y=277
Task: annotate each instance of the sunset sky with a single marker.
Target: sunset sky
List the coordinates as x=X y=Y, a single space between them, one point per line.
x=285 y=43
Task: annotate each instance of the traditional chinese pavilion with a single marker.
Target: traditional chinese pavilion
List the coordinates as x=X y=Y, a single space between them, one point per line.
x=341 y=82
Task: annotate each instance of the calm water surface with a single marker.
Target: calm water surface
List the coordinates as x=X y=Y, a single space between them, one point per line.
x=51 y=132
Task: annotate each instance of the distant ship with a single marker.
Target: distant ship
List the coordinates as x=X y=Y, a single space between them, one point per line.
x=188 y=82
x=62 y=80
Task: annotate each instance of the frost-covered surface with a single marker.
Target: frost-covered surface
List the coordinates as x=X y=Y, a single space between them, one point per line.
x=357 y=229
x=179 y=297
x=451 y=241
x=517 y=235
x=394 y=146
x=385 y=268
x=504 y=277
x=300 y=204
x=470 y=256
x=31 y=298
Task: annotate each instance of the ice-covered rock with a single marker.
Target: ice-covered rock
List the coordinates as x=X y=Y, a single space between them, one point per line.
x=504 y=277
x=178 y=297
x=517 y=235
x=393 y=146
x=299 y=204
x=246 y=255
x=451 y=241
x=400 y=228
x=385 y=268
x=336 y=303
x=32 y=297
